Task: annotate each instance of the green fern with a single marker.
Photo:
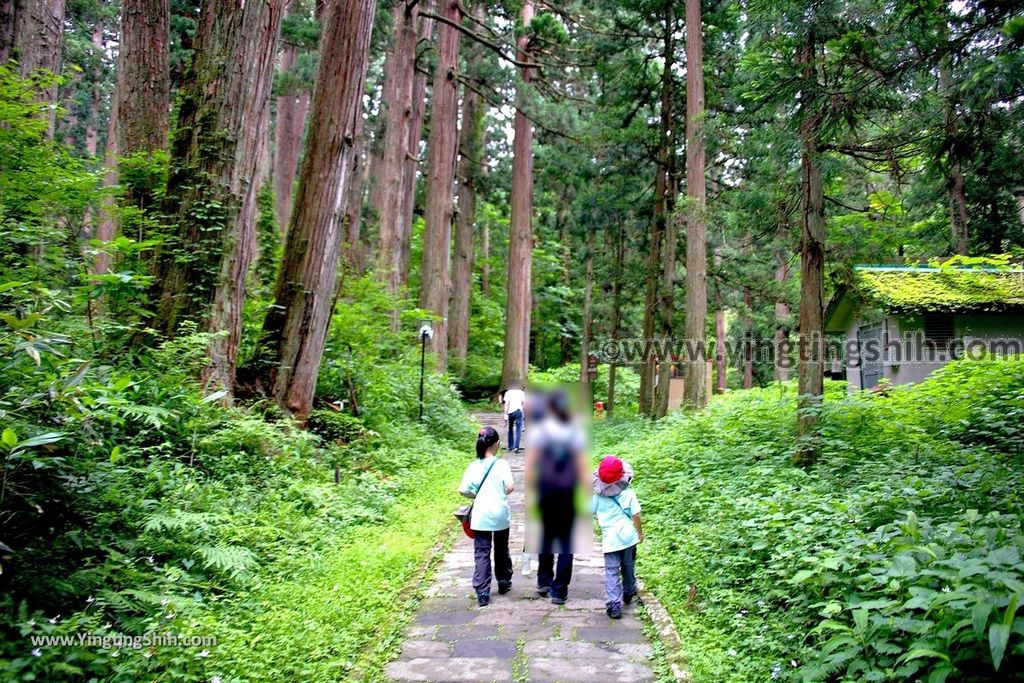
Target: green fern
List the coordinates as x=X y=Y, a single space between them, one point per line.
x=181 y=520
x=151 y=415
x=232 y=560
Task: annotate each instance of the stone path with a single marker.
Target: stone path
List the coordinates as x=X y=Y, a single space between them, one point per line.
x=520 y=636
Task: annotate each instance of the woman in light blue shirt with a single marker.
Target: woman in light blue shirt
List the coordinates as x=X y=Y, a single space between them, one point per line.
x=488 y=481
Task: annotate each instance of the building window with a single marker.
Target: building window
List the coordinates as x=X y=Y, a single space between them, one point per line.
x=940 y=334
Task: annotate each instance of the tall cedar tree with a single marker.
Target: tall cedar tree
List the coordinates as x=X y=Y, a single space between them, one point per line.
x=470 y=167
x=32 y=33
x=388 y=194
x=811 y=368
x=140 y=113
x=142 y=92
x=295 y=329
x=588 y=295
x=695 y=391
x=291 y=108
x=720 y=358
x=516 y=358
x=412 y=152
x=435 y=275
x=662 y=211
x=215 y=154
x=781 y=305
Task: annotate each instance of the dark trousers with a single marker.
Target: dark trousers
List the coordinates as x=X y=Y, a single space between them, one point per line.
x=619 y=575
x=555 y=576
x=515 y=429
x=482 y=543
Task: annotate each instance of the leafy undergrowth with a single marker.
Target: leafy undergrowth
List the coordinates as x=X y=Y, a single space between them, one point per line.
x=895 y=557
x=138 y=510
x=336 y=608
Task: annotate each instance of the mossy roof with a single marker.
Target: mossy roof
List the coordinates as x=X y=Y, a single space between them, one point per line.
x=909 y=289
x=948 y=290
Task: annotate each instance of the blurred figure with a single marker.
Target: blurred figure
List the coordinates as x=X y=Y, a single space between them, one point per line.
x=514 y=401
x=556 y=469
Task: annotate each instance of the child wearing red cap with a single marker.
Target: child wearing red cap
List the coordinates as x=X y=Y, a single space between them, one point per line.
x=618 y=514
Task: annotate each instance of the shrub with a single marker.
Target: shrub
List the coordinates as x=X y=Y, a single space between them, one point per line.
x=335 y=427
x=896 y=556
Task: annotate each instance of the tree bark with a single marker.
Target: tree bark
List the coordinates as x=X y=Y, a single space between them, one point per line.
x=6 y=30
x=106 y=224
x=435 y=279
x=748 y=310
x=695 y=390
x=588 y=293
x=666 y=309
x=616 y=322
x=295 y=329
x=143 y=76
x=567 y=349
x=211 y=196
x=485 y=258
x=648 y=400
x=291 y=109
x=471 y=153
x=412 y=156
x=720 y=356
x=811 y=368
x=516 y=359
x=142 y=94
x=354 y=251
x=782 y=321
x=955 y=192
x=388 y=195
x=36 y=43
x=99 y=44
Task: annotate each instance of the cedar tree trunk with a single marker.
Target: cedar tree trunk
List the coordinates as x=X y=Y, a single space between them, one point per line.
x=471 y=151
x=695 y=390
x=516 y=358
x=435 y=272
x=295 y=329
x=211 y=193
x=37 y=41
x=810 y=372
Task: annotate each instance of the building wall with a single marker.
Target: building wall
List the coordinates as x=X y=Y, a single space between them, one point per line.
x=989 y=326
x=897 y=370
x=981 y=328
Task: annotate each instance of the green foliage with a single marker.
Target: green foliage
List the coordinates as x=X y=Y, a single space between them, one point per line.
x=44 y=191
x=134 y=504
x=335 y=427
x=627 y=383
x=895 y=557
x=269 y=243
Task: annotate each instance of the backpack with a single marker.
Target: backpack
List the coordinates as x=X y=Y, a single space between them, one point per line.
x=557 y=467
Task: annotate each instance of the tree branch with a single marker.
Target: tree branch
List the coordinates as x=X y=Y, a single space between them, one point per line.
x=494 y=47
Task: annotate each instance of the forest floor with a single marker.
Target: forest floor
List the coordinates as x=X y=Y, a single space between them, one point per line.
x=521 y=636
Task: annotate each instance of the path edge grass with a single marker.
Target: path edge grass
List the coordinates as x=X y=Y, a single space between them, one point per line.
x=661 y=629
x=413 y=591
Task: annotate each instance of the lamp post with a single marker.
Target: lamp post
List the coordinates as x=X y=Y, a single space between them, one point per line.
x=426 y=332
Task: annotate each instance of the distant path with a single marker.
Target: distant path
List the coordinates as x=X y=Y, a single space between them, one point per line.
x=520 y=636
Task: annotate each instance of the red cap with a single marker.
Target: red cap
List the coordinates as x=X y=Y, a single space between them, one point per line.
x=610 y=470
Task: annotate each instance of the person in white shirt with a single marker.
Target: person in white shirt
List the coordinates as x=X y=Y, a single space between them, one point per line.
x=514 y=401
